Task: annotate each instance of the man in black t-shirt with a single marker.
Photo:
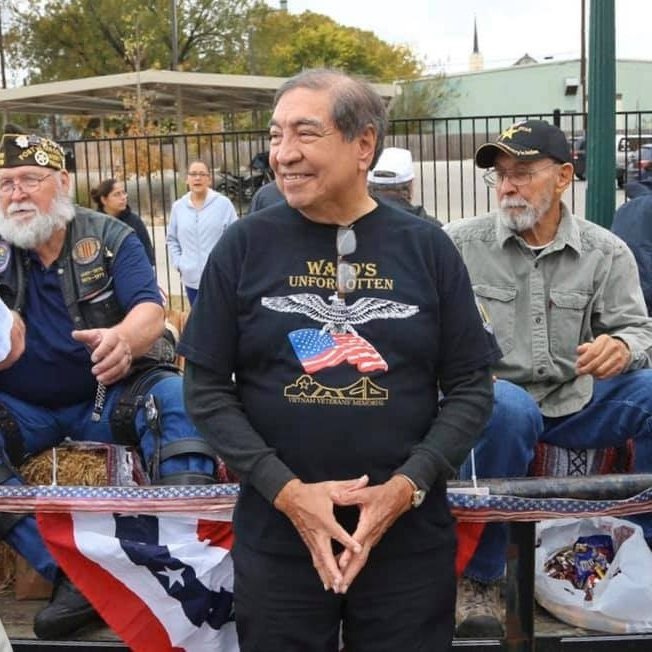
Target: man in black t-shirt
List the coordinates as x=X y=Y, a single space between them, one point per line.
x=339 y=319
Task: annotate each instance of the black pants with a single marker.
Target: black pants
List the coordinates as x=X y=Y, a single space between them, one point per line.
x=396 y=604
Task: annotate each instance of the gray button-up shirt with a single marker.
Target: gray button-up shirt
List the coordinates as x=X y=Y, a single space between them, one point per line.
x=542 y=305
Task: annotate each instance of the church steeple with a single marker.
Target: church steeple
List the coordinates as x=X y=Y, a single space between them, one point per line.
x=476 y=60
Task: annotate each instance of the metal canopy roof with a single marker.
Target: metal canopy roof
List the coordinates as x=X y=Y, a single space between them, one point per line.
x=200 y=94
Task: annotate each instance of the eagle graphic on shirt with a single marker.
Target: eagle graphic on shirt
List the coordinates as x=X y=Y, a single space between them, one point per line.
x=337 y=341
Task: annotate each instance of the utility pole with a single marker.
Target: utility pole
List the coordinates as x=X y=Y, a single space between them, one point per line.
x=178 y=142
x=2 y=61
x=175 y=63
x=175 y=35
x=2 y=48
x=583 y=63
x=139 y=94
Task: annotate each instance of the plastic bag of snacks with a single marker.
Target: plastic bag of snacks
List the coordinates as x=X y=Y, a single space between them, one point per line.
x=595 y=573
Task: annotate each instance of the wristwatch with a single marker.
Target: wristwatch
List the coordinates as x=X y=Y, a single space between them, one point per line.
x=418 y=495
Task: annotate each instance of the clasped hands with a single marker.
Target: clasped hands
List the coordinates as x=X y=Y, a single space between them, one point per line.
x=310 y=507
x=110 y=353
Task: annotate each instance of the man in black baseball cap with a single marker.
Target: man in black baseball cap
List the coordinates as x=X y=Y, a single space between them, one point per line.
x=530 y=168
x=564 y=300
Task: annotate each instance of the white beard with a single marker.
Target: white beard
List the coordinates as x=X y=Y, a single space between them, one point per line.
x=528 y=215
x=40 y=228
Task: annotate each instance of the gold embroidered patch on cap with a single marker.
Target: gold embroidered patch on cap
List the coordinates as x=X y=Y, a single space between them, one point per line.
x=86 y=250
x=30 y=149
x=510 y=132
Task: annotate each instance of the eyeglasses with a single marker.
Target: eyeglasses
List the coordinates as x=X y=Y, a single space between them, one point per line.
x=516 y=177
x=26 y=184
x=198 y=174
x=347 y=277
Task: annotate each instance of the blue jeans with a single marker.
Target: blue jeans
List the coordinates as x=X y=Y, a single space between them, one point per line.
x=42 y=428
x=620 y=409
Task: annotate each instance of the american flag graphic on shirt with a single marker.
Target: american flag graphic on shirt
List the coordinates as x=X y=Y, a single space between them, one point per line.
x=317 y=350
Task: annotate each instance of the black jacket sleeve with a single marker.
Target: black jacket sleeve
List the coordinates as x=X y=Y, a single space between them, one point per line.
x=215 y=409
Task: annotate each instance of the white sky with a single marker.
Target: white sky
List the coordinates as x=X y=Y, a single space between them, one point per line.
x=441 y=31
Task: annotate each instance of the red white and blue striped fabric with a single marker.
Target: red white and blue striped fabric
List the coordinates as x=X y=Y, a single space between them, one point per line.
x=163 y=583
x=162 y=577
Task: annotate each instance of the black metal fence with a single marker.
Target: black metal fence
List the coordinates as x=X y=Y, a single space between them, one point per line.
x=447 y=183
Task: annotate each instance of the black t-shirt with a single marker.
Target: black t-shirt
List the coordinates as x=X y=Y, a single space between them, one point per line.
x=337 y=393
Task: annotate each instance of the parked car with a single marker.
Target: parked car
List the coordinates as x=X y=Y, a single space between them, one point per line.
x=625 y=146
x=578 y=154
x=639 y=164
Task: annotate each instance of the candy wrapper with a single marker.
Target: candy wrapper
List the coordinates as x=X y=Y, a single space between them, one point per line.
x=584 y=563
x=595 y=573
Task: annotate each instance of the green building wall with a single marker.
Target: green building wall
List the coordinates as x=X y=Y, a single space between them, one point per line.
x=541 y=88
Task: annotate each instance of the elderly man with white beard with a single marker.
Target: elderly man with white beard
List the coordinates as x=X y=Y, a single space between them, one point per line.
x=565 y=302
x=86 y=358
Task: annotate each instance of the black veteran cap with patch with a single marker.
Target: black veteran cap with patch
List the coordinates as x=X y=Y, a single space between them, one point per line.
x=526 y=141
x=29 y=149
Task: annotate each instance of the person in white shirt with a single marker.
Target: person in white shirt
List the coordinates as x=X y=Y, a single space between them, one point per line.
x=197 y=222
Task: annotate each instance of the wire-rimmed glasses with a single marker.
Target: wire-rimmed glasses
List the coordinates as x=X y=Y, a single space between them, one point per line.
x=28 y=183
x=346 y=275
x=517 y=177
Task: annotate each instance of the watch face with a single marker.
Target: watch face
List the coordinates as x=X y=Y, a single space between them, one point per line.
x=418 y=497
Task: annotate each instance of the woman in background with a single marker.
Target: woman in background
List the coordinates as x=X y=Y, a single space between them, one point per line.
x=197 y=222
x=111 y=198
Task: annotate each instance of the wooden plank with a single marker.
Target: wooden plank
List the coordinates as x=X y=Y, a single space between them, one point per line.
x=18 y=616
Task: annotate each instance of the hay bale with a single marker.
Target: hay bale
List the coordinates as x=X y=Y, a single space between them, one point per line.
x=74 y=467
x=7 y=567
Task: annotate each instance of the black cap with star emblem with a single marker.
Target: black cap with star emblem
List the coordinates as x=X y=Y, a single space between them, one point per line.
x=526 y=141
x=29 y=149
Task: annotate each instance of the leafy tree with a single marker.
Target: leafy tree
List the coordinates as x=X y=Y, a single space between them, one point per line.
x=426 y=98
x=68 y=39
x=282 y=44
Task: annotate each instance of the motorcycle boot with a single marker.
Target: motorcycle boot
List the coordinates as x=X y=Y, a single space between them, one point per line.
x=67 y=611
